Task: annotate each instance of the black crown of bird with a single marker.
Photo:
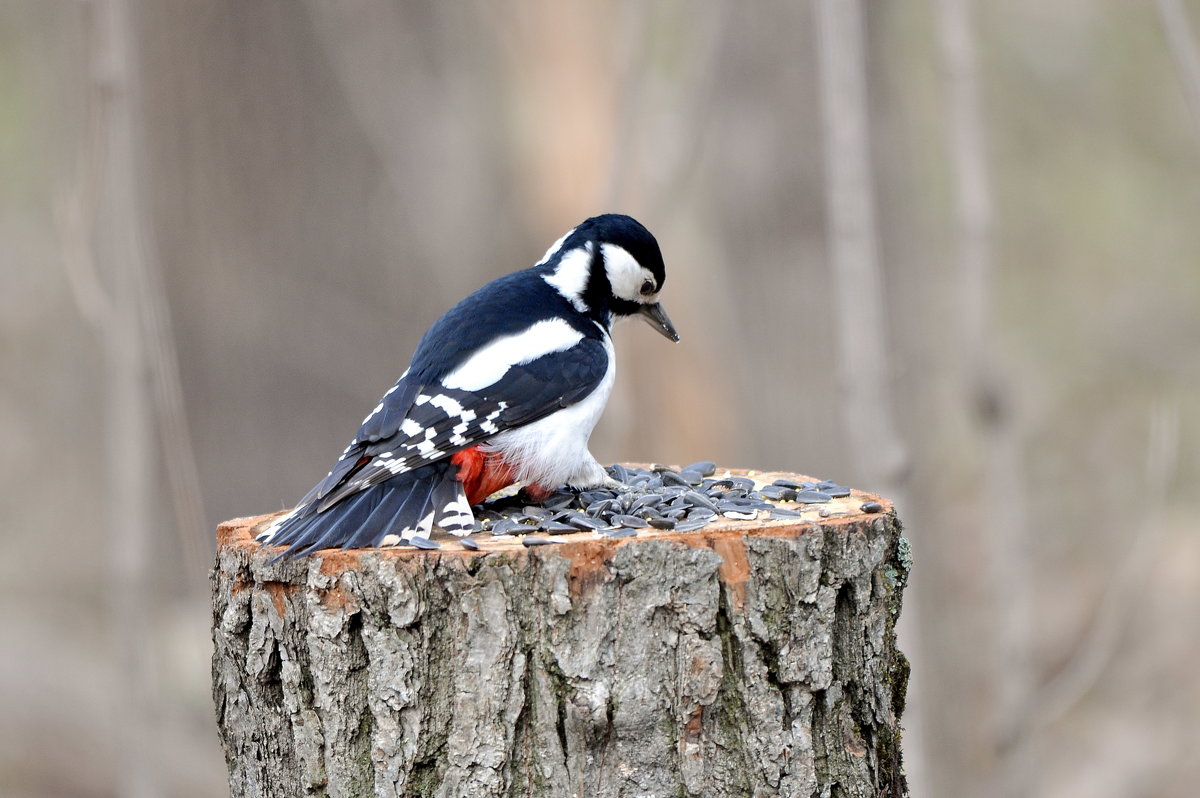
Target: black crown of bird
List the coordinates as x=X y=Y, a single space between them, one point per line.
x=506 y=387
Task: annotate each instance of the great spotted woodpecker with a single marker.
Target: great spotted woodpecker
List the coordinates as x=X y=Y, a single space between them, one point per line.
x=505 y=387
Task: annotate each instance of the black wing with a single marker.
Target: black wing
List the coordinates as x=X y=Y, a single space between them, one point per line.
x=440 y=421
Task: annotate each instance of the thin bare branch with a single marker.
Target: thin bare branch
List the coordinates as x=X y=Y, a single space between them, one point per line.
x=178 y=453
x=72 y=212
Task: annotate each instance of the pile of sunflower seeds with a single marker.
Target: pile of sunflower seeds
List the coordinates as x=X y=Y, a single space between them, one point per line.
x=657 y=497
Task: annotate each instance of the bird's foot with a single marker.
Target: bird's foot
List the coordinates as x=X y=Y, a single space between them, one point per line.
x=534 y=494
x=613 y=484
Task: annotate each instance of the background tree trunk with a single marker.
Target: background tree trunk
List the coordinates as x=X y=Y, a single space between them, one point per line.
x=746 y=659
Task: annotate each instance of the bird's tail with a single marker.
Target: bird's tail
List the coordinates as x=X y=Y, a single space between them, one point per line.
x=390 y=513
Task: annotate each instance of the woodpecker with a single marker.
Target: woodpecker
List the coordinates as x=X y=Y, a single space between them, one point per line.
x=504 y=388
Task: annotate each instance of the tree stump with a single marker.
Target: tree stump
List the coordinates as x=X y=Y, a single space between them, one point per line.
x=745 y=659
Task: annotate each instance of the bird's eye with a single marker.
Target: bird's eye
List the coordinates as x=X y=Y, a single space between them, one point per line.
x=648 y=288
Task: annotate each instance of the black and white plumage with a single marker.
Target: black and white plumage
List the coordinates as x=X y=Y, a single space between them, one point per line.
x=505 y=387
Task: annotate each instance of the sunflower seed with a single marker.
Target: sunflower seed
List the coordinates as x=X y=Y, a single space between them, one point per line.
x=506 y=526
x=558 y=501
x=581 y=521
x=619 y=472
x=601 y=506
x=871 y=507
x=658 y=496
x=424 y=543
x=646 y=500
x=469 y=544
x=673 y=478
x=620 y=533
x=779 y=493
x=531 y=540
x=697 y=498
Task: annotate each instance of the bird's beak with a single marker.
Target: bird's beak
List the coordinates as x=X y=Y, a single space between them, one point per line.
x=659 y=320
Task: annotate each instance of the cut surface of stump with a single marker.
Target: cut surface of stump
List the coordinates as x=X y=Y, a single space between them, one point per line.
x=748 y=658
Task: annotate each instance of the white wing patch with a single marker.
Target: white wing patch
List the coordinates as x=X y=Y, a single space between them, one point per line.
x=493 y=361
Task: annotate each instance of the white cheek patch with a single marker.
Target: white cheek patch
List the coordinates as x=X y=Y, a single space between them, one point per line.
x=625 y=274
x=493 y=361
x=571 y=275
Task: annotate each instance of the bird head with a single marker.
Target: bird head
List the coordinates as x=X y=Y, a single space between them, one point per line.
x=611 y=266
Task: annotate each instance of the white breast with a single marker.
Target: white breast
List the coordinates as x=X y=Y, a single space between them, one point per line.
x=554 y=450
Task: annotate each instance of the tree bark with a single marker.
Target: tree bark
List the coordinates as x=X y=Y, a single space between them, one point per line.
x=746 y=659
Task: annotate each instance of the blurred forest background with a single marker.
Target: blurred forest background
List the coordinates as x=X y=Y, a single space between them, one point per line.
x=946 y=250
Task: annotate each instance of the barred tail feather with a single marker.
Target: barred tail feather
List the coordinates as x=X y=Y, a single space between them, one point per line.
x=408 y=506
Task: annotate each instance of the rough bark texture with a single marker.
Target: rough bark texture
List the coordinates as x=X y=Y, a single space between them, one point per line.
x=747 y=659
